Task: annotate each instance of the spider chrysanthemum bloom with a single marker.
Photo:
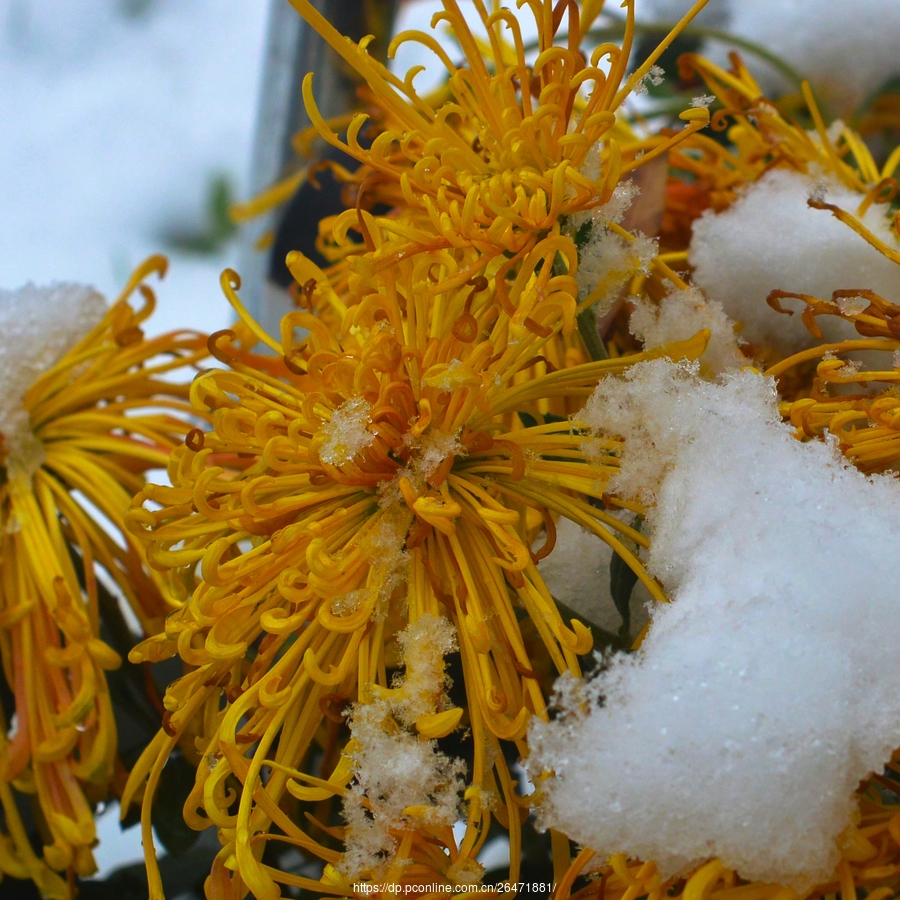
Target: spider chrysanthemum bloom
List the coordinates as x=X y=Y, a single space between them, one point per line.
x=501 y=158
x=866 y=422
x=494 y=166
x=87 y=409
x=387 y=479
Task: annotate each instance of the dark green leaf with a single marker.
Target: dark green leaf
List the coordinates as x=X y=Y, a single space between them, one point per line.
x=587 y=328
x=530 y=421
x=582 y=236
x=621 y=583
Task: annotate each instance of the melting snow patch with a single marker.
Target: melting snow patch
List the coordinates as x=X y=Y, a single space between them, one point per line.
x=38 y=326
x=347 y=433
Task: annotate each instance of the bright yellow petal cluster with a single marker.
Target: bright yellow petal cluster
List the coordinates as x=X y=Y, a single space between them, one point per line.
x=393 y=468
x=102 y=415
x=384 y=475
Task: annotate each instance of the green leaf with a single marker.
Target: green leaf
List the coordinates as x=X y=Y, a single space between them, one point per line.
x=621 y=583
x=217 y=228
x=587 y=328
x=582 y=236
x=530 y=421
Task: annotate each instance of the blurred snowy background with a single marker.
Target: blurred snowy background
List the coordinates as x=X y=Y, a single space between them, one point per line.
x=126 y=128
x=125 y=125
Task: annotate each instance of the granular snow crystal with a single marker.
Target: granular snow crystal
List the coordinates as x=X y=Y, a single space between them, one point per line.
x=767 y=689
x=394 y=768
x=38 y=325
x=679 y=316
x=347 y=433
x=607 y=260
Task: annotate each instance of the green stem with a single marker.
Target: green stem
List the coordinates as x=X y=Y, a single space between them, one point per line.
x=587 y=328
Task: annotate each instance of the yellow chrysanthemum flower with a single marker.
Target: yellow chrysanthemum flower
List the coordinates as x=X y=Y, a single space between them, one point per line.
x=385 y=477
x=506 y=156
x=499 y=164
x=75 y=448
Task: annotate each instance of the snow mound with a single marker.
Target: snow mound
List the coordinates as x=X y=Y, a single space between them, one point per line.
x=770 y=239
x=768 y=688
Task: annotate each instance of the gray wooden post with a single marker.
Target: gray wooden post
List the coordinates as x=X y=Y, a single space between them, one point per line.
x=293 y=49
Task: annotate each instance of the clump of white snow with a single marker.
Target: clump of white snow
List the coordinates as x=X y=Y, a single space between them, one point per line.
x=347 y=433
x=769 y=239
x=623 y=195
x=681 y=315
x=768 y=688
x=655 y=75
x=37 y=327
x=393 y=768
x=607 y=260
